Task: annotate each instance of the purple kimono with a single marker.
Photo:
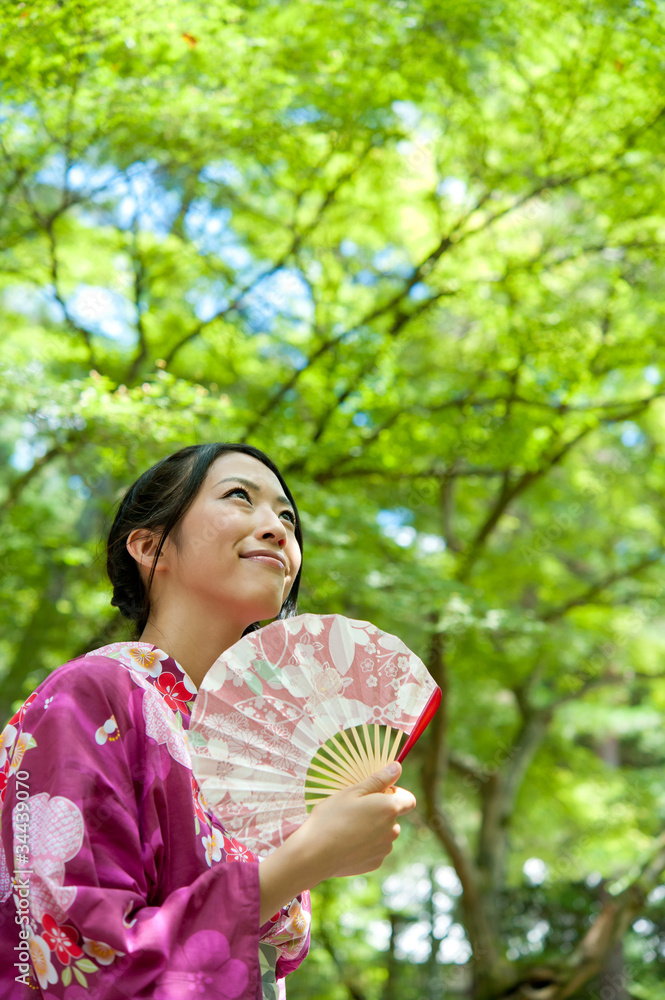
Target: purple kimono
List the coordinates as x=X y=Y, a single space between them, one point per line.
x=116 y=882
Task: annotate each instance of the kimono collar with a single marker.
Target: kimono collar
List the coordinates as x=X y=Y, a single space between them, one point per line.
x=151 y=665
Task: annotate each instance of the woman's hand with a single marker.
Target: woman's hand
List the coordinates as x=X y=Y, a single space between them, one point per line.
x=349 y=833
x=354 y=829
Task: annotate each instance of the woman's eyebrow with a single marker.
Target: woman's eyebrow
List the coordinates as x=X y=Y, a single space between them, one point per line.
x=253 y=486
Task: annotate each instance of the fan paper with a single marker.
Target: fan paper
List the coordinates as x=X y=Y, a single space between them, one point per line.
x=274 y=697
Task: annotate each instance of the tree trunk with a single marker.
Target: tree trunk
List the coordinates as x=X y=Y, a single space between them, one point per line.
x=613 y=979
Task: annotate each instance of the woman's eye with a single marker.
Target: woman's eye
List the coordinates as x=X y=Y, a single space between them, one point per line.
x=239 y=489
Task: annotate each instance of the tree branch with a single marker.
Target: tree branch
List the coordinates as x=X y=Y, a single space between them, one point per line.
x=507 y=493
x=481 y=935
x=296 y=241
x=588 y=595
x=139 y=283
x=55 y=279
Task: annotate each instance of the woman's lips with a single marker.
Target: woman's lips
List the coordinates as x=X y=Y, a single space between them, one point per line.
x=268 y=560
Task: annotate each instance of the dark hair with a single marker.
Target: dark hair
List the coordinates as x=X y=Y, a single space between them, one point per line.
x=158 y=501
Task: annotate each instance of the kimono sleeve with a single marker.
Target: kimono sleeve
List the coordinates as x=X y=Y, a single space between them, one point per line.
x=101 y=918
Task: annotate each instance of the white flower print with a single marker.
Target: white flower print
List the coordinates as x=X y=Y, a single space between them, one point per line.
x=236 y=724
x=240 y=659
x=298 y=922
x=40 y=954
x=223 y=768
x=372 y=682
x=277 y=732
x=23 y=743
x=7 y=737
x=101 y=952
x=162 y=725
x=289 y=932
x=145 y=660
x=55 y=836
x=313 y=624
x=305 y=652
x=213 y=846
x=388 y=641
x=107 y=730
x=284 y=755
x=248 y=747
x=294 y=625
x=215 y=726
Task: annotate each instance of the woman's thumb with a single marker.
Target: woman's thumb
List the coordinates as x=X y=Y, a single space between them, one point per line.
x=380 y=780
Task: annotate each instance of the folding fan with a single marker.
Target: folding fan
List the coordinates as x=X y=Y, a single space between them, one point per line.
x=298 y=710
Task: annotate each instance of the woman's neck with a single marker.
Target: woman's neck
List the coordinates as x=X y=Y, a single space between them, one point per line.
x=194 y=645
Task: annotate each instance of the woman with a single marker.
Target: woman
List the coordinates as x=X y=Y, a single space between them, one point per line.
x=116 y=881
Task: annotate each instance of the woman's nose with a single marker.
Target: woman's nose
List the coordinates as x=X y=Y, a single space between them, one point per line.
x=274 y=527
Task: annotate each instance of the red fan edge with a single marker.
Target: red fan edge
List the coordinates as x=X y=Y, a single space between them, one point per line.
x=422 y=723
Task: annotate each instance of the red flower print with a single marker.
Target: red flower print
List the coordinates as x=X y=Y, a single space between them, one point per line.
x=3 y=784
x=174 y=693
x=235 y=851
x=62 y=940
x=18 y=717
x=200 y=804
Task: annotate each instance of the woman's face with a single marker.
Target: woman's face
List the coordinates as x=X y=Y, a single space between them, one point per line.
x=235 y=549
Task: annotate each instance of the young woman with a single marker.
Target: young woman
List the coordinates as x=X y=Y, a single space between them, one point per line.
x=115 y=879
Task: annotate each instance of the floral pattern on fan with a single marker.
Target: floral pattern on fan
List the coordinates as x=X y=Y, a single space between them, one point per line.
x=274 y=698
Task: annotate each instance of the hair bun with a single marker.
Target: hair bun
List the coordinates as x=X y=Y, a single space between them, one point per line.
x=126 y=604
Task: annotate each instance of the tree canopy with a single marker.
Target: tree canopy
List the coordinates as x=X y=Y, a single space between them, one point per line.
x=414 y=252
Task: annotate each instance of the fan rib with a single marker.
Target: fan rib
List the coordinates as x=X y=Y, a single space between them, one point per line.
x=362 y=753
x=337 y=779
x=395 y=746
x=328 y=771
x=341 y=758
x=318 y=783
x=368 y=749
x=386 y=746
x=339 y=751
x=358 y=760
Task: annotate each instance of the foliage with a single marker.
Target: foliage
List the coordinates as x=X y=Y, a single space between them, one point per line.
x=414 y=254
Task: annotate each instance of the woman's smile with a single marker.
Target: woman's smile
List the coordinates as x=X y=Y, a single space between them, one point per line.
x=268 y=558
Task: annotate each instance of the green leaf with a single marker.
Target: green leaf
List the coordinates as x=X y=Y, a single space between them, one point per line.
x=81 y=978
x=86 y=965
x=253 y=683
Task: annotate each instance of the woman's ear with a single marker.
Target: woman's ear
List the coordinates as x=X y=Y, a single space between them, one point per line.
x=142 y=544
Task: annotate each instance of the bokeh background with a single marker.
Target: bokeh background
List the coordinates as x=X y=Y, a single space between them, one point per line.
x=414 y=251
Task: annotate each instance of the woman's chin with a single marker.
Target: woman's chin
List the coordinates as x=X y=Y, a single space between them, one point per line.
x=263 y=613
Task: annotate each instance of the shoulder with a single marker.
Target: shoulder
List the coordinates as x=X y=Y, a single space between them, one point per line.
x=91 y=673
x=89 y=684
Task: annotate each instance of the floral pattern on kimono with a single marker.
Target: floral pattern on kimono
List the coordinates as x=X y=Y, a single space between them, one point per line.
x=114 y=875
